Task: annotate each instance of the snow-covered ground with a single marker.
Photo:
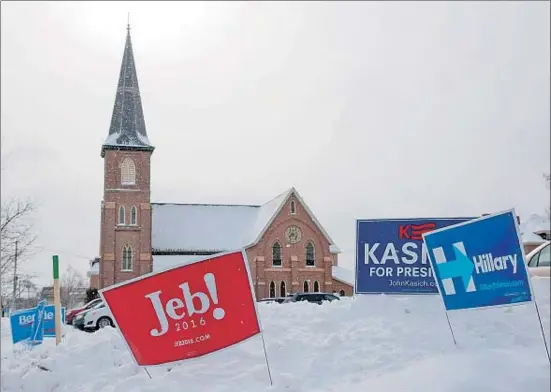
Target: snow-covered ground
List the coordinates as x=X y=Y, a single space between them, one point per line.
x=373 y=343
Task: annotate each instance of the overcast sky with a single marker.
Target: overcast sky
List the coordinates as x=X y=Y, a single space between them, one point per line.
x=369 y=109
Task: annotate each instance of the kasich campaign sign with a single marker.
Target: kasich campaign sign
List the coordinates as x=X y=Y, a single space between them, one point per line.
x=391 y=257
x=480 y=263
x=187 y=311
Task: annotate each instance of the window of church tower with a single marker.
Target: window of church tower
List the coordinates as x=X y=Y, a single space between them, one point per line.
x=121 y=215
x=272 y=289
x=293 y=208
x=128 y=172
x=127 y=258
x=276 y=255
x=133 y=215
x=310 y=255
x=316 y=287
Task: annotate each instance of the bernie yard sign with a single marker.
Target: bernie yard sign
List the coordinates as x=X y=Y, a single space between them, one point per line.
x=23 y=327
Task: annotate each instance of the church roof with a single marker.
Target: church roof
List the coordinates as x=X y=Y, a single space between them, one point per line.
x=127 y=129
x=200 y=227
x=214 y=228
x=343 y=275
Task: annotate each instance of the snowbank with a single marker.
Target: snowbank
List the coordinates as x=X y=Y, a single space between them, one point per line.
x=372 y=343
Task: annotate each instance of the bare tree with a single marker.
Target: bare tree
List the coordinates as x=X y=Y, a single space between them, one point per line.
x=73 y=288
x=25 y=286
x=16 y=231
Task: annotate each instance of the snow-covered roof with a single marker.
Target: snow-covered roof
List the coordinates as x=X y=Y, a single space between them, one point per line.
x=130 y=139
x=334 y=249
x=93 y=270
x=216 y=227
x=201 y=227
x=266 y=214
x=529 y=237
x=161 y=262
x=532 y=225
x=536 y=224
x=343 y=274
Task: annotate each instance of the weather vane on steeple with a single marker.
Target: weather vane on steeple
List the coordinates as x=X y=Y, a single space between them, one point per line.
x=128 y=23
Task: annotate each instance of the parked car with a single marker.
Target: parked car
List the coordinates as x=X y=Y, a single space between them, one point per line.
x=279 y=300
x=78 y=321
x=317 y=298
x=94 y=318
x=539 y=260
x=69 y=317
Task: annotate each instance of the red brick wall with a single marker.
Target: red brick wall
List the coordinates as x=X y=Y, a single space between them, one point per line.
x=94 y=281
x=528 y=247
x=339 y=286
x=113 y=236
x=293 y=271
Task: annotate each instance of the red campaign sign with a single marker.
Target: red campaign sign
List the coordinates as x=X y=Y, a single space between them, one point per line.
x=187 y=311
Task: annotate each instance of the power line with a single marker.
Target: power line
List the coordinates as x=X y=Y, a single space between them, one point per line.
x=68 y=253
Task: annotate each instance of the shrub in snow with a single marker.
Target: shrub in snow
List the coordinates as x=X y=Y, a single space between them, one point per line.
x=91 y=294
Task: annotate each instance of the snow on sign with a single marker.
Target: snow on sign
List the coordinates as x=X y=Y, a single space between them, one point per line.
x=391 y=257
x=187 y=311
x=480 y=263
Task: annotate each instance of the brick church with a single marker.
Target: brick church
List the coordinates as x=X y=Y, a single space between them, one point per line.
x=288 y=249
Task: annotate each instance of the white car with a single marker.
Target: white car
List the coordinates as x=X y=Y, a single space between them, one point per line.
x=95 y=318
x=539 y=260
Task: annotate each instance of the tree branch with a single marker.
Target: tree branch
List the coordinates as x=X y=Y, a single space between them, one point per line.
x=15 y=227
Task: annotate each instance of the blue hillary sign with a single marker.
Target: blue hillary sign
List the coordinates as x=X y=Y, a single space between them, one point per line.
x=391 y=257
x=480 y=263
x=23 y=327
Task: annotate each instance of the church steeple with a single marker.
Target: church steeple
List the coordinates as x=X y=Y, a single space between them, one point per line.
x=127 y=130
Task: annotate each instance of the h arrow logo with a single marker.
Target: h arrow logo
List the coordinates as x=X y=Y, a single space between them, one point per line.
x=462 y=267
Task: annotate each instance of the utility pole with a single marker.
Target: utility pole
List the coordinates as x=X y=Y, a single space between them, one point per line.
x=14 y=278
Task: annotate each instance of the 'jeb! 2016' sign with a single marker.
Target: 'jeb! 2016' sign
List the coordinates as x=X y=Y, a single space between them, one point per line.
x=187 y=311
x=391 y=256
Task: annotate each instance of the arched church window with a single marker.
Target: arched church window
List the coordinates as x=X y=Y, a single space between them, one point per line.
x=121 y=215
x=310 y=255
x=128 y=172
x=133 y=215
x=316 y=287
x=127 y=258
x=276 y=255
